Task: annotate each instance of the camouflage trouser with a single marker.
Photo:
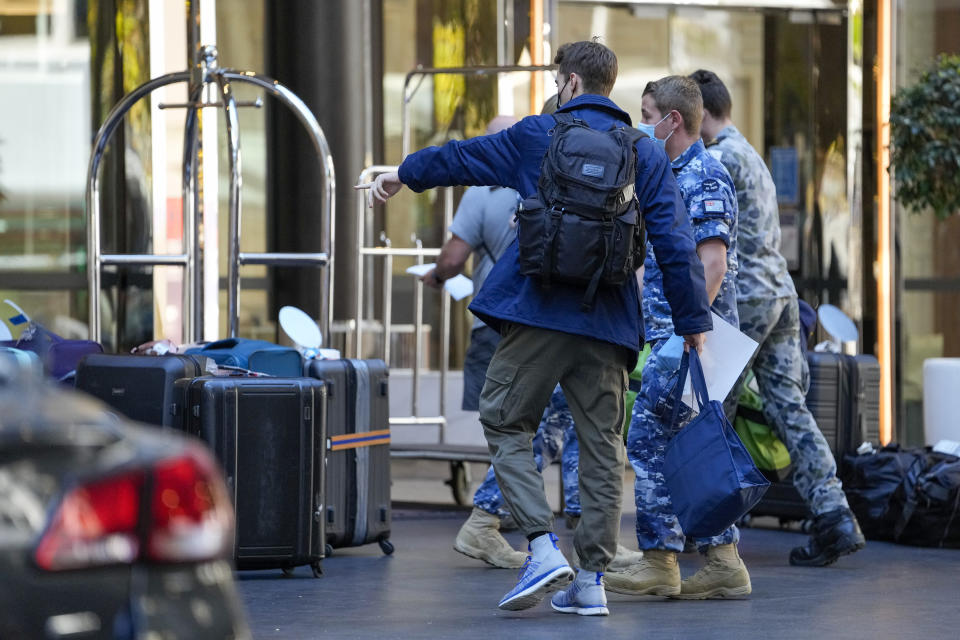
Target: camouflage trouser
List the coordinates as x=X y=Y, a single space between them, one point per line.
x=554 y=435
x=783 y=378
x=657 y=525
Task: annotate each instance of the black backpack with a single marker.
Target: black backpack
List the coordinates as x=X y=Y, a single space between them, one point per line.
x=584 y=226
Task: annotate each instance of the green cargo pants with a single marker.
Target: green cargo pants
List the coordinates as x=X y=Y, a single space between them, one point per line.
x=527 y=365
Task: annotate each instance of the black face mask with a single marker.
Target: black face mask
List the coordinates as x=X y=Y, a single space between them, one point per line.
x=561 y=91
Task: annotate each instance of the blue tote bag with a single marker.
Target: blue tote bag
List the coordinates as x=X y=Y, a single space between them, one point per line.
x=710 y=475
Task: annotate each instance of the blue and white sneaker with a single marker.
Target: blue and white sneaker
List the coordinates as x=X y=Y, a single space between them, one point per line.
x=584 y=597
x=545 y=571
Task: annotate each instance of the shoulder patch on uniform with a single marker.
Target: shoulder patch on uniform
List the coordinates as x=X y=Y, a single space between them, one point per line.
x=710 y=185
x=713 y=206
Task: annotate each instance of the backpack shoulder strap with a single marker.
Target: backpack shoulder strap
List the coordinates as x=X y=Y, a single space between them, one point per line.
x=569 y=120
x=634 y=134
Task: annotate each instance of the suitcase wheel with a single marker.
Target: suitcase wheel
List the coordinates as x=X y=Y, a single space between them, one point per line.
x=386 y=546
x=327 y=550
x=459 y=482
x=287 y=572
x=317 y=569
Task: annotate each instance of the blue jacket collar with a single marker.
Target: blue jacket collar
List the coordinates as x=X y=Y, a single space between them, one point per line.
x=594 y=100
x=691 y=152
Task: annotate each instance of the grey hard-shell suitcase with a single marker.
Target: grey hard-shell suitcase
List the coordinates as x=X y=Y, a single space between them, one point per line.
x=138 y=386
x=358 y=451
x=269 y=436
x=844 y=398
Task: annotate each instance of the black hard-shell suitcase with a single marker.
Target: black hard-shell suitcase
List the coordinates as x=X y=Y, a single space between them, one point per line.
x=844 y=398
x=140 y=387
x=358 y=455
x=269 y=435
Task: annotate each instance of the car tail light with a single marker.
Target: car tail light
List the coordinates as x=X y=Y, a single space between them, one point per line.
x=96 y=524
x=191 y=514
x=189 y=517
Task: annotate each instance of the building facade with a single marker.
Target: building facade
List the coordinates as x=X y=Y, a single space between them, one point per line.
x=807 y=78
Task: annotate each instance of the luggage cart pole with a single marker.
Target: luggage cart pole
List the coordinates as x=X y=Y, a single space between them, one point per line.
x=417 y=335
x=361 y=214
x=324 y=258
x=445 y=317
x=387 y=300
x=201 y=61
x=96 y=259
x=189 y=260
x=388 y=253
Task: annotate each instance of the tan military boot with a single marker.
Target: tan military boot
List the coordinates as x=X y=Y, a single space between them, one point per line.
x=480 y=538
x=723 y=576
x=623 y=559
x=656 y=574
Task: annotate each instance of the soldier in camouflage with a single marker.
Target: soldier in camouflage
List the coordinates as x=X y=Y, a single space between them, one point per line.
x=549 y=443
x=672 y=110
x=556 y=437
x=768 y=308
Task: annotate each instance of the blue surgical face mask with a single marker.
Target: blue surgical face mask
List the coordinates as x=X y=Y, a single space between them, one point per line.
x=650 y=130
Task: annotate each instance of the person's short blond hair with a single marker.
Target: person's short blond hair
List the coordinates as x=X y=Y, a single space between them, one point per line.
x=681 y=94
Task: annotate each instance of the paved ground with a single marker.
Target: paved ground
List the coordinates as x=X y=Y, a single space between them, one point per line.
x=427 y=590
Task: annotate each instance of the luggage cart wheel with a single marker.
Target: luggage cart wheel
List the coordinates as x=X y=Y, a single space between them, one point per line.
x=459 y=482
x=317 y=569
x=386 y=546
x=327 y=550
x=287 y=572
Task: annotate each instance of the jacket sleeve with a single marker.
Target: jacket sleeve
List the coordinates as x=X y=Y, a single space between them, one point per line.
x=485 y=160
x=669 y=231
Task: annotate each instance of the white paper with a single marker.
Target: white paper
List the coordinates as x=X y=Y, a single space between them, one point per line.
x=724 y=357
x=459 y=286
x=421 y=270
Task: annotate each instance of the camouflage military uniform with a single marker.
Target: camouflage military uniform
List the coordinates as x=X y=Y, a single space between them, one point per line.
x=555 y=434
x=710 y=199
x=767 y=304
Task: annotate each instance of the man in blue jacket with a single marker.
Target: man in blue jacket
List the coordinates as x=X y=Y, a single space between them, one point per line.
x=547 y=337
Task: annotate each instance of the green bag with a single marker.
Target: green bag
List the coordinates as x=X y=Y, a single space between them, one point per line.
x=767 y=450
x=634 y=388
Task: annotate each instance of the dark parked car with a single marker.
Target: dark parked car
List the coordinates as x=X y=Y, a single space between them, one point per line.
x=108 y=529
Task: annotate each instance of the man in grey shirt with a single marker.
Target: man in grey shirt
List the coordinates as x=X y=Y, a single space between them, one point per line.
x=483 y=224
